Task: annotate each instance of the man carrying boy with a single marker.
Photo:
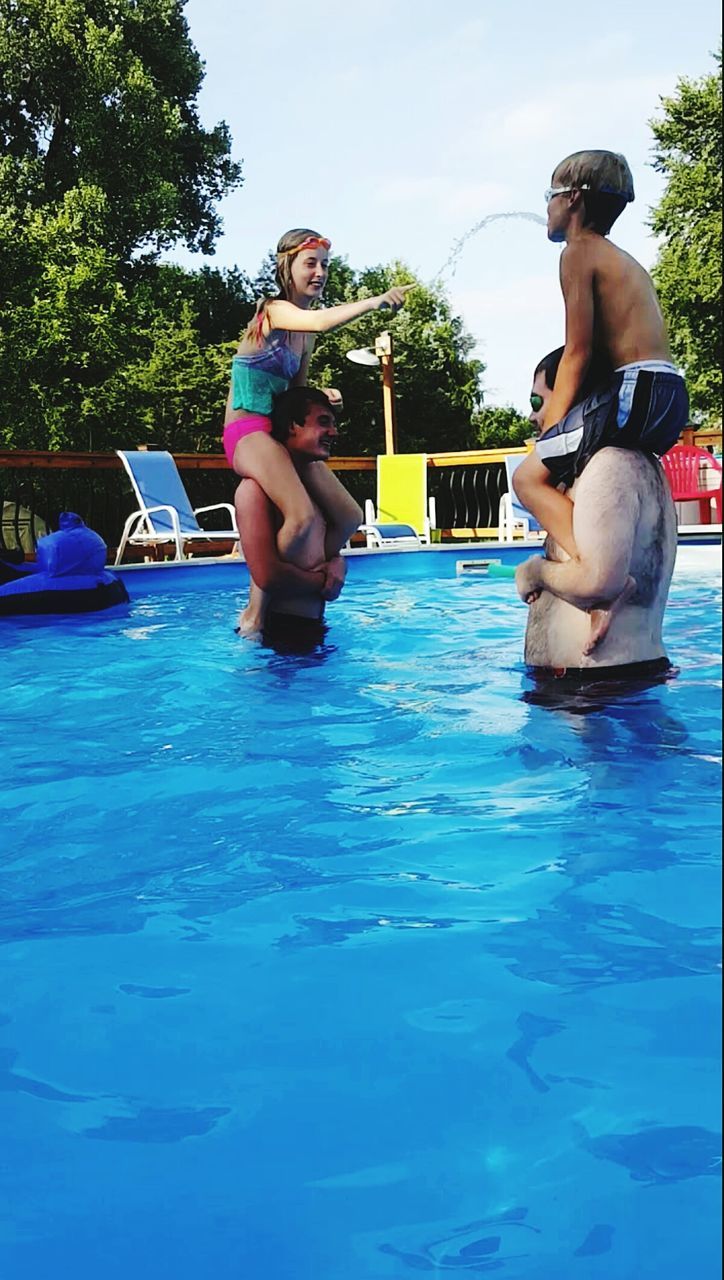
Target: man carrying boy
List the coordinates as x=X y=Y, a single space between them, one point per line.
x=624 y=524
x=611 y=309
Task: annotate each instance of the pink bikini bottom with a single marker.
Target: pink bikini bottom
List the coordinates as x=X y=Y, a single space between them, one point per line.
x=241 y=427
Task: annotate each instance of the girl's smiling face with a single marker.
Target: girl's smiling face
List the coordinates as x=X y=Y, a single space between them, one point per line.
x=310 y=269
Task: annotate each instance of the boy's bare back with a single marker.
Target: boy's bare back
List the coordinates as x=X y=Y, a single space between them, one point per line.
x=628 y=323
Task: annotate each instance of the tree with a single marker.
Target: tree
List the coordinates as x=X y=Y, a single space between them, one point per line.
x=501 y=427
x=104 y=92
x=172 y=393
x=104 y=163
x=437 y=381
x=688 y=271
x=64 y=320
x=91 y=361
x=223 y=302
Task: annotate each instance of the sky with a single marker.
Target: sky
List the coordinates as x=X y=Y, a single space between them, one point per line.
x=393 y=126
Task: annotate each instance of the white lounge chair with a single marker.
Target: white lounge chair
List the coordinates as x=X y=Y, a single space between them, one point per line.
x=390 y=535
x=403 y=516
x=164 y=513
x=513 y=518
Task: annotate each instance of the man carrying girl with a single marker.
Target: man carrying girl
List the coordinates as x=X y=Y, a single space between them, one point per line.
x=273 y=355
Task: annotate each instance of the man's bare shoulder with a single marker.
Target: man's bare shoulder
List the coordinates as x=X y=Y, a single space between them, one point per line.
x=622 y=489
x=617 y=471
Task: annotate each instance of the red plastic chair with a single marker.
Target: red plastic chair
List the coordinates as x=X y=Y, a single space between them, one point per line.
x=682 y=465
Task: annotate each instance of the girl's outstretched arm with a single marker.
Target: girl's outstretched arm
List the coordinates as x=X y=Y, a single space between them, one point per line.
x=285 y=315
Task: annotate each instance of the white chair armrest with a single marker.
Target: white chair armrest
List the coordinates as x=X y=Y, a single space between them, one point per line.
x=503 y=510
x=371 y=534
x=218 y=506
x=148 y=511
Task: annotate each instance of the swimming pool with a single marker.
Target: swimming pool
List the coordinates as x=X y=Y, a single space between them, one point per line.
x=358 y=965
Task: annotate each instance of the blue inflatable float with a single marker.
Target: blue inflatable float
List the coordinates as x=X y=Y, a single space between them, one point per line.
x=69 y=575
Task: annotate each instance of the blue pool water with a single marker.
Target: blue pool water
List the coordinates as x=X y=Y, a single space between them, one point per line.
x=360 y=965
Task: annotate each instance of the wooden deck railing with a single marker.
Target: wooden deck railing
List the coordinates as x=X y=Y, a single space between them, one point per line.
x=36 y=486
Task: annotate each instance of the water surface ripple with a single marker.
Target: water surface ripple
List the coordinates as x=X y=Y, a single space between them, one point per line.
x=359 y=965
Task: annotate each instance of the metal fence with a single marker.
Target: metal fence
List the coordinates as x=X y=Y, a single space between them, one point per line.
x=467 y=495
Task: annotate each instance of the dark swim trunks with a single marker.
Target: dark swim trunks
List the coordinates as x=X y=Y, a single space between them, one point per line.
x=287 y=633
x=595 y=675
x=643 y=406
x=585 y=688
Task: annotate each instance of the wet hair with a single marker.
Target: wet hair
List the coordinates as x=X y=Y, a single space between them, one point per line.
x=285 y=258
x=292 y=406
x=609 y=184
x=598 y=372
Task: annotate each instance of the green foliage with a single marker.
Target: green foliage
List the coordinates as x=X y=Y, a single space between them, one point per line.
x=688 y=218
x=88 y=361
x=104 y=162
x=103 y=92
x=501 y=427
x=63 y=320
x=437 y=381
x=172 y=392
x=222 y=301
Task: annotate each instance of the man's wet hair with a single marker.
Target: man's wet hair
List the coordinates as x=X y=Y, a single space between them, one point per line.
x=292 y=407
x=598 y=373
x=605 y=181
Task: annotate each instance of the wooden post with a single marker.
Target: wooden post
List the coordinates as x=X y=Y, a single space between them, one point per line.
x=383 y=349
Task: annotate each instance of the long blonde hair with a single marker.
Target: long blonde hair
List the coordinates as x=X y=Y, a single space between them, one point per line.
x=290 y=241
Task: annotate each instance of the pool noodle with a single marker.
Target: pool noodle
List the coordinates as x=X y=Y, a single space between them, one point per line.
x=501 y=570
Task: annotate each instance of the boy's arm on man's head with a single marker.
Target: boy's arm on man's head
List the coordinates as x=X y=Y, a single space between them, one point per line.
x=577 y=280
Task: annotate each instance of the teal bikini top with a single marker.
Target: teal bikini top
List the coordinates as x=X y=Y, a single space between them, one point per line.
x=256 y=378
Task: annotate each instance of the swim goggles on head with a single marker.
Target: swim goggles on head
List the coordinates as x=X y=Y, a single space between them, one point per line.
x=312 y=242
x=536 y=403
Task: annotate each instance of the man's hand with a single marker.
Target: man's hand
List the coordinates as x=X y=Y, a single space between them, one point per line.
x=335 y=572
x=528 y=579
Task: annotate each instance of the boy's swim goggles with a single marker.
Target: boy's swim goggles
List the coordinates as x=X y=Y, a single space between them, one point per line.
x=548 y=195
x=550 y=192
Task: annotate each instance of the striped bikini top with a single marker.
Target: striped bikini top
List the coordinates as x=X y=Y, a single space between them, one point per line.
x=258 y=376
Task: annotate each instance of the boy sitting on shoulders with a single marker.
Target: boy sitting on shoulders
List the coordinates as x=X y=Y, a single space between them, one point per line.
x=612 y=310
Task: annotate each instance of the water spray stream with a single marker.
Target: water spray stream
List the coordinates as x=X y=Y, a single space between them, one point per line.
x=459 y=245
